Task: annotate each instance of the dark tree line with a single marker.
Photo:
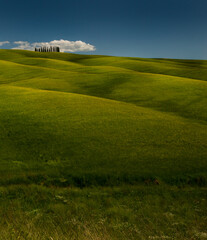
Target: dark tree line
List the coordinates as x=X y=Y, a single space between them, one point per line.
x=47 y=49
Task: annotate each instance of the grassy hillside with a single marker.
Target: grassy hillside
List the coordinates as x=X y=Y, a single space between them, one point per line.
x=119 y=124
x=128 y=120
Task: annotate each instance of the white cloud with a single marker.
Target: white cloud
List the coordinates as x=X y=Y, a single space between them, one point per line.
x=5 y=42
x=65 y=45
x=23 y=45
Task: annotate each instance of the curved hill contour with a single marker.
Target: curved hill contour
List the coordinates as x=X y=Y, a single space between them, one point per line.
x=100 y=119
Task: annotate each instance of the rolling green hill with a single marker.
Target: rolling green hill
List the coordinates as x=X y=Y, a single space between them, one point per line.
x=102 y=148
x=101 y=119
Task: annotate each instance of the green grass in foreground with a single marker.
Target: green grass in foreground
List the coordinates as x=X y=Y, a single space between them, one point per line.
x=139 y=212
x=84 y=140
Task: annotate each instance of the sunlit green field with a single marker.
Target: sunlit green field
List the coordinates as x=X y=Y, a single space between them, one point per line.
x=100 y=147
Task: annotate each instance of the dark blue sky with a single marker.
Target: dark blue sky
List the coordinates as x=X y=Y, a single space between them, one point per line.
x=147 y=28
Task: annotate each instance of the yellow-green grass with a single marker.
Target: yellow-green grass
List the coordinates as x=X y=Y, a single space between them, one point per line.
x=98 y=120
x=180 y=95
x=101 y=147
